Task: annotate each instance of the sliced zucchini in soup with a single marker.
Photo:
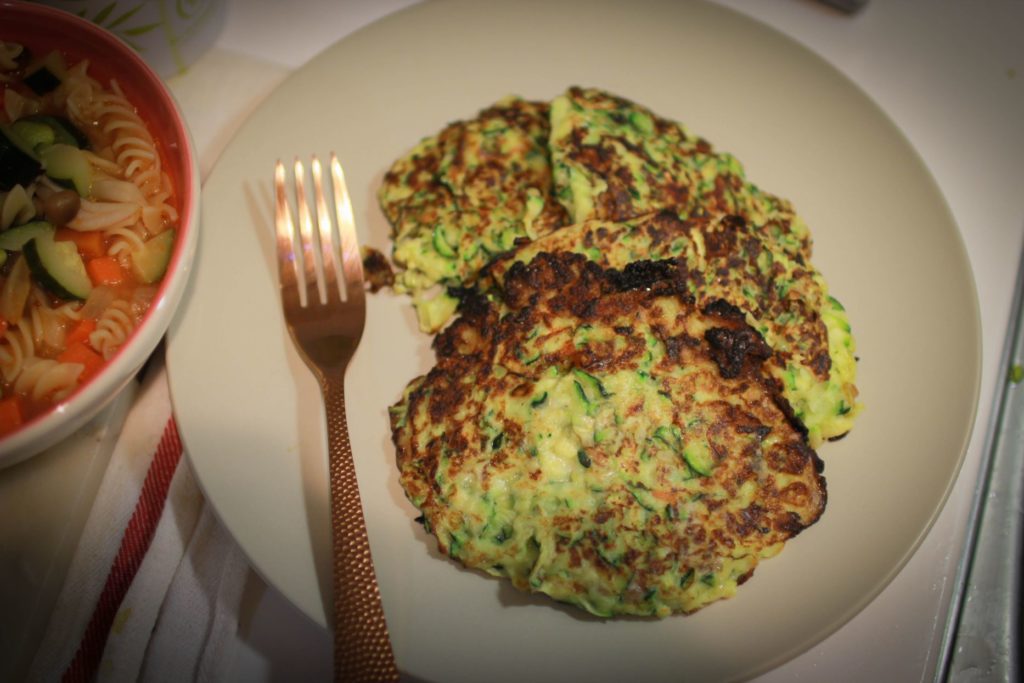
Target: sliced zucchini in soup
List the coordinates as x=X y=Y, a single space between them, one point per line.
x=68 y=164
x=14 y=239
x=58 y=267
x=149 y=262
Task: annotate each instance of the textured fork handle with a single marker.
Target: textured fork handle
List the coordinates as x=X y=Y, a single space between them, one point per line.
x=362 y=648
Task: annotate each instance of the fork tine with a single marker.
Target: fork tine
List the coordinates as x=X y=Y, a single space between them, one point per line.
x=328 y=241
x=312 y=268
x=285 y=230
x=351 y=259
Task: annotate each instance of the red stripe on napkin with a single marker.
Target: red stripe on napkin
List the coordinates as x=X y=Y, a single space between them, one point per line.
x=134 y=545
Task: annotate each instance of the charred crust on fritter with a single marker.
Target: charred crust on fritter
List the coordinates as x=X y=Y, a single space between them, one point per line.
x=442 y=400
x=722 y=243
x=791 y=457
x=723 y=309
x=674 y=345
x=668 y=220
x=377 y=269
x=466 y=338
x=821 y=363
x=646 y=275
x=753 y=519
x=789 y=523
x=733 y=349
x=522 y=279
x=472 y=302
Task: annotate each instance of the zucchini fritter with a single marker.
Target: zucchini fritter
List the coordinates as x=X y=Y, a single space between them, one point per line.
x=614 y=159
x=466 y=194
x=603 y=439
x=725 y=257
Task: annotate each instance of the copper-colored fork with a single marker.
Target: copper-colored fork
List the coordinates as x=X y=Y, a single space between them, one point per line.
x=322 y=294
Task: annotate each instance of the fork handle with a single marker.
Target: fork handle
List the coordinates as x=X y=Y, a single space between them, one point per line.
x=362 y=648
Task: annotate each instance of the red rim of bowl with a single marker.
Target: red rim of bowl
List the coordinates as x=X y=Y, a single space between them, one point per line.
x=39 y=26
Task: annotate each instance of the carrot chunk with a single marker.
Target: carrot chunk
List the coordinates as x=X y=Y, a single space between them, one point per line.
x=82 y=353
x=81 y=331
x=105 y=271
x=90 y=243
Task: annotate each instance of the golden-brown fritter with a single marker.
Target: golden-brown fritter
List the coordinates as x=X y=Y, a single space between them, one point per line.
x=724 y=257
x=603 y=439
x=468 y=193
x=614 y=159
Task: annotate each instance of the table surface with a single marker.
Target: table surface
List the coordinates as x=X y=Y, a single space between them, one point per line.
x=951 y=76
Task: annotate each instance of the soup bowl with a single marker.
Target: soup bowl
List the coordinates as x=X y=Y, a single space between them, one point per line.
x=30 y=421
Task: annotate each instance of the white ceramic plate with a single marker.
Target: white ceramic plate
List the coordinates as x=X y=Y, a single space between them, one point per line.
x=250 y=413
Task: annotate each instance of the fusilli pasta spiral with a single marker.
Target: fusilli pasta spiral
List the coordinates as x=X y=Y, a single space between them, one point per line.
x=50 y=324
x=16 y=346
x=47 y=379
x=112 y=329
x=134 y=150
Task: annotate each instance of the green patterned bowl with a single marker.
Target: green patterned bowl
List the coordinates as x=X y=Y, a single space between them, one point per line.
x=169 y=34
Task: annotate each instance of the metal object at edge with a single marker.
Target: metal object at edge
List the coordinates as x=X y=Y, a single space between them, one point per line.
x=983 y=637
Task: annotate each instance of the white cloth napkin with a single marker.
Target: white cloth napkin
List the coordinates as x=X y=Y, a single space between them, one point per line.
x=153 y=590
